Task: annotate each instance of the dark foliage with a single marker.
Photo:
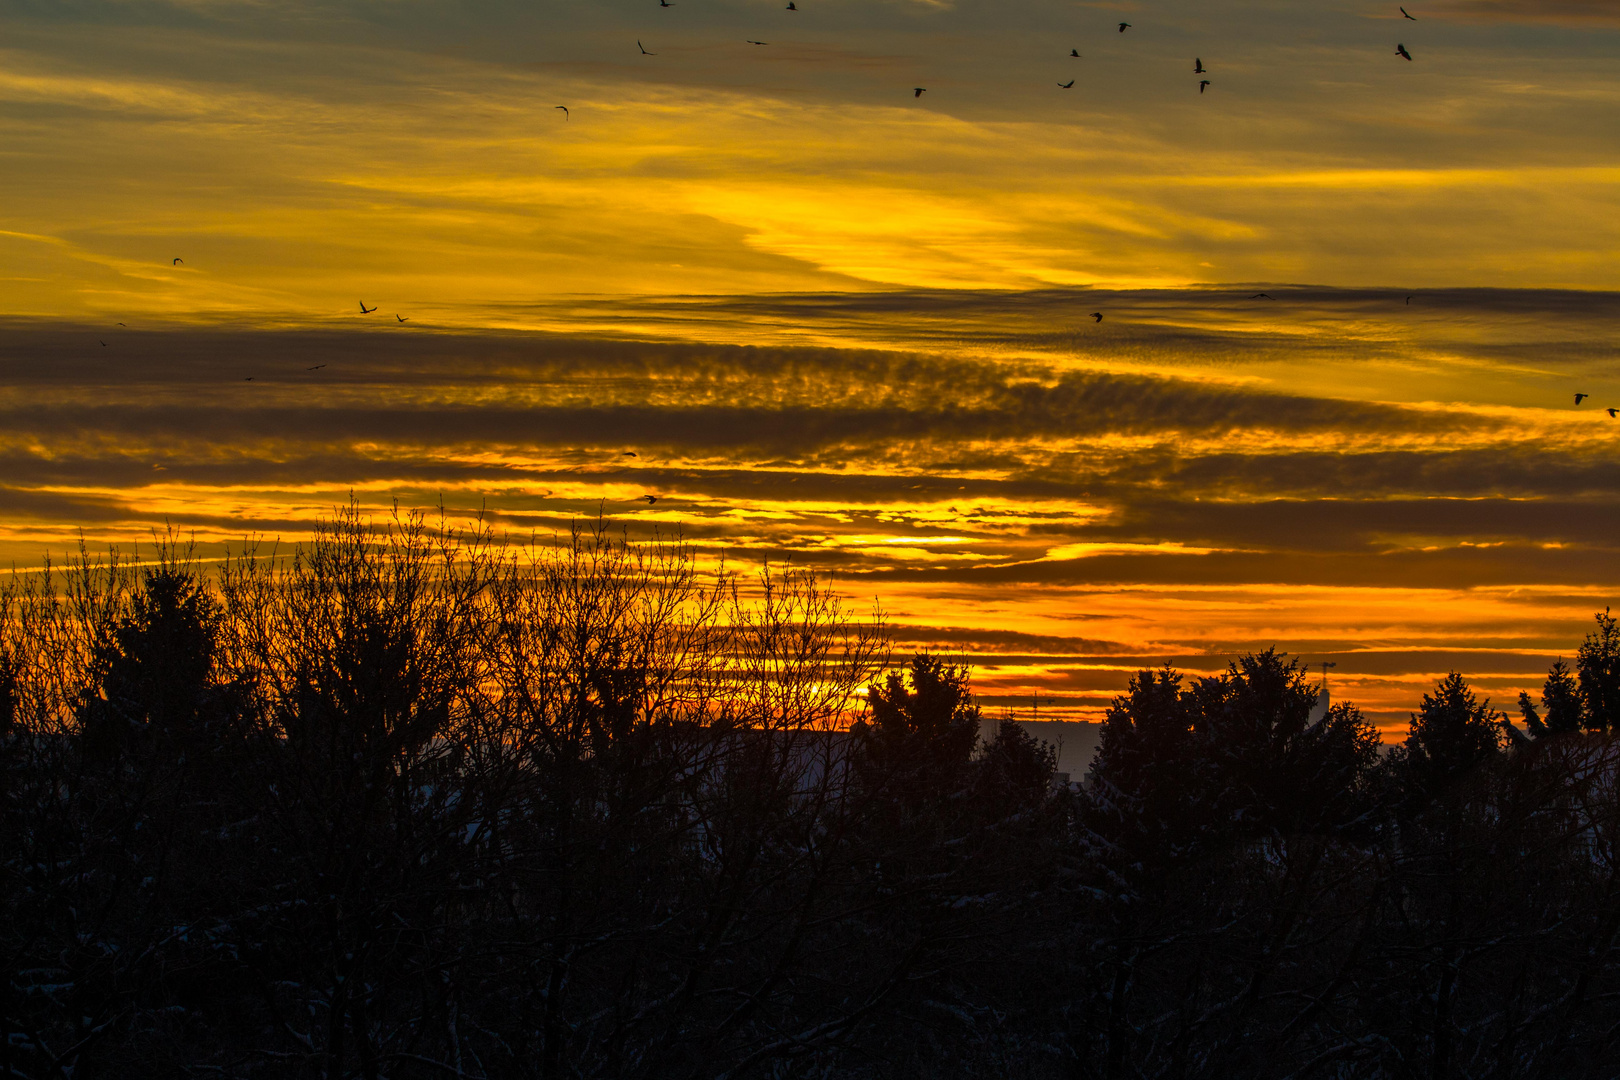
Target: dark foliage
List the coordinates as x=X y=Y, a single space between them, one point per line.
x=1561 y=698
x=413 y=805
x=1598 y=662
x=925 y=730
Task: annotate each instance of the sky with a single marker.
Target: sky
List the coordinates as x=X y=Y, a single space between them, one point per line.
x=850 y=327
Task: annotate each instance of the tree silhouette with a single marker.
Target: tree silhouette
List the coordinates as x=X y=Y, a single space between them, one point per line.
x=1598 y=662
x=1561 y=698
x=1232 y=755
x=1015 y=770
x=1451 y=735
x=155 y=669
x=415 y=803
x=1269 y=768
x=921 y=726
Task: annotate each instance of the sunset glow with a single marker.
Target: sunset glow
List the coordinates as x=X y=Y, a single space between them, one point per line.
x=848 y=327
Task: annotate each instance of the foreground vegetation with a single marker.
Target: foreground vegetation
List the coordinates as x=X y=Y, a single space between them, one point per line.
x=405 y=804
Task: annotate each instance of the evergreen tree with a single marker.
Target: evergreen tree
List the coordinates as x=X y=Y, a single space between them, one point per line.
x=1235 y=755
x=1268 y=768
x=1016 y=769
x=1561 y=697
x=1139 y=798
x=1598 y=662
x=925 y=730
x=1532 y=719
x=153 y=671
x=1452 y=734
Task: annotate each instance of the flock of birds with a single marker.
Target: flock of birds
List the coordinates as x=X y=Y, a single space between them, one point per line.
x=919 y=91
x=1613 y=413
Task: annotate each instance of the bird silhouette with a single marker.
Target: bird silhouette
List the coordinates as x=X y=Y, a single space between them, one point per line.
x=1400 y=50
x=1408 y=14
x=792 y=6
x=1066 y=85
x=759 y=43
x=248 y=379
x=1198 y=65
x=366 y=310
x=665 y=3
x=643 y=49
x=1202 y=84
x=1074 y=52
x=564 y=109
x=1261 y=296
x=918 y=91
x=120 y=324
x=1097 y=315
x=628 y=453
x=1613 y=413
x=317 y=367
x=650 y=499
x=1408 y=299
x=103 y=343
x=1581 y=397
x=1124 y=26
x=401 y=318
x=177 y=262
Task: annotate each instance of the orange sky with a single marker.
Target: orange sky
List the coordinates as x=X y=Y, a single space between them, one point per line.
x=848 y=325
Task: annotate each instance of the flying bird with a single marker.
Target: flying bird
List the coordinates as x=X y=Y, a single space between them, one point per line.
x=665 y=3
x=643 y=49
x=1097 y=315
x=1074 y=52
x=401 y=318
x=1202 y=83
x=1066 y=85
x=564 y=109
x=120 y=324
x=103 y=343
x=759 y=43
x=1124 y=26
x=628 y=453
x=792 y=6
x=1613 y=413
x=366 y=310
x=1400 y=50
x=248 y=379
x=1408 y=299
x=1581 y=397
x=317 y=367
x=1261 y=296
x=177 y=262
x=1408 y=14
x=1198 y=65
x=918 y=91
x=650 y=499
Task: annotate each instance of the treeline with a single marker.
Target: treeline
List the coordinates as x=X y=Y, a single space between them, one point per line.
x=404 y=803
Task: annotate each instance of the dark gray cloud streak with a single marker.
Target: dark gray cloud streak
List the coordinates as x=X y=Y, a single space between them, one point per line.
x=860 y=427
x=962 y=444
